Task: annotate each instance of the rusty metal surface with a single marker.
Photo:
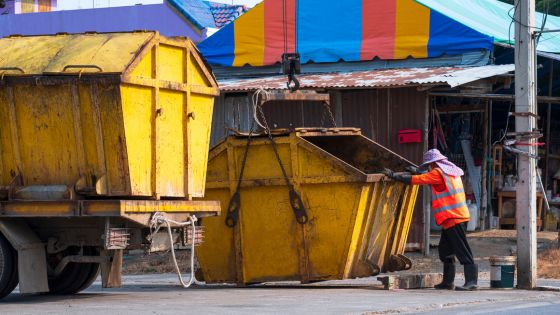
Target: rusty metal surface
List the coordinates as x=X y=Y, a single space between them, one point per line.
x=296 y=96
x=450 y=76
x=66 y=54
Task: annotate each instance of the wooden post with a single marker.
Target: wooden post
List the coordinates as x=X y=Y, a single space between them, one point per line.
x=426 y=196
x=544 y=176
x=525 y=102
x=489 y=185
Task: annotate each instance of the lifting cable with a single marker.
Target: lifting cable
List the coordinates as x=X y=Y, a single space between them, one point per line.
x=157 y=221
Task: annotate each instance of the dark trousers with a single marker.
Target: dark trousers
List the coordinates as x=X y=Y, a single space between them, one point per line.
x=453 y=243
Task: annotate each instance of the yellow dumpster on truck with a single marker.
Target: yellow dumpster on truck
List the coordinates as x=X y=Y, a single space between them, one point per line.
x=99 y=132
x=354 y=221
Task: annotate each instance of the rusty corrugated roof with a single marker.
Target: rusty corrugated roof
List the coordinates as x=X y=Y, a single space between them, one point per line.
x=450 y=76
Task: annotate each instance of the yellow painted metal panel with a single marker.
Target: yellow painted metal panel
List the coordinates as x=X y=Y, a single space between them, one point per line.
x=171 y=63
x=170 y=158
x=112 y=52
x=114 y=140
x=197 y=76
x=354 y=219
x=138 y=116
x=360 y=226
x=89 y=134
x=199 y=122
x=223 y=266
x=260 y=151
x=146 y=67
x=260 y=263
x=334 y=208
x=8 y=165
x=43 y=117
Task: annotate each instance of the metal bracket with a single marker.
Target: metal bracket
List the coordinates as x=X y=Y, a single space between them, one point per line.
x=32 y=257
x=517 y=151
x=526 y=135
x=524 y=114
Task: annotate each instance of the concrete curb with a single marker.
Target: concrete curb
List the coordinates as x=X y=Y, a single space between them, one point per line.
x=548 y=288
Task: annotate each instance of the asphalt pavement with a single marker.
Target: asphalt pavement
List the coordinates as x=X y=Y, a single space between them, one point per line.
x=159 y=294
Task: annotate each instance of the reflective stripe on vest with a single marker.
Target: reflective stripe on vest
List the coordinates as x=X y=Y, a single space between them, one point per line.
x=451 y=207
x=450 y=203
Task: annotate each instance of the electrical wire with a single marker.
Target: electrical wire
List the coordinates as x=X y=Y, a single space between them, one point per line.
x=505 y=131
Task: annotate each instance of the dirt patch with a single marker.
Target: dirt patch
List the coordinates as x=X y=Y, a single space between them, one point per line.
x=494 y=243
x=549 y=263
x=139 y=263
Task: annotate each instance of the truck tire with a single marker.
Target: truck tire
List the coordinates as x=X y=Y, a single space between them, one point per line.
x=8 y=267
x=90 y=279
x=75 y=277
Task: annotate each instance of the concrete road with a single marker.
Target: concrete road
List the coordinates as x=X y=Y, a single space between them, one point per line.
x=159 y=294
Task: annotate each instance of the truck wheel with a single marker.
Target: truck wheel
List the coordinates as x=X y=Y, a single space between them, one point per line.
x=8 y=267
x=90 y=279
x=75 y=277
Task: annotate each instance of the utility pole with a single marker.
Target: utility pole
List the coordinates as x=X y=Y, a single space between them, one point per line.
x=525 y=124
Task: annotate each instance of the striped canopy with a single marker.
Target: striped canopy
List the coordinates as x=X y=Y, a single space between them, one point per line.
x=335 y=30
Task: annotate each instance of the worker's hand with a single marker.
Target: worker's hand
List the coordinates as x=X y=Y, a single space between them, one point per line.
x=400 y=177
x=412 y=169
x=389 y=173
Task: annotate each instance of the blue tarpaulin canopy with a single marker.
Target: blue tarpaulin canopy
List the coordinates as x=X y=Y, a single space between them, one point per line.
x=495 y=18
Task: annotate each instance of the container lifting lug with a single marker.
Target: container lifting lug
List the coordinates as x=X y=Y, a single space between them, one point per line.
x=298 y=207
x=233 y=210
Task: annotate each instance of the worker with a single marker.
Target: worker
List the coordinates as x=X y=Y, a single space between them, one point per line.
x=450 y=212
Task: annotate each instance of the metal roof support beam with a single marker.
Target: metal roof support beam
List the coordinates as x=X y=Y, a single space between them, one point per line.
x=499 y=97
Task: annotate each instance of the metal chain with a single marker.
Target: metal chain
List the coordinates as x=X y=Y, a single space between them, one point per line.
x=329 y=112
x=235 y=200
x=271 y=138
x=295 y=199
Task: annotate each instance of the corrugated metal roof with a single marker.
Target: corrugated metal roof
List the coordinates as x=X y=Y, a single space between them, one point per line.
x=470 y=59
x=450 y=76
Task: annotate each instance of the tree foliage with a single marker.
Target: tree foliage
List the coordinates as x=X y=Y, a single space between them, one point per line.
x=550 y=6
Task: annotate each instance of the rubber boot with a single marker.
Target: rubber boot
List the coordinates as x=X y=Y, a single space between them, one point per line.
x=448 y=282
x=471 y=278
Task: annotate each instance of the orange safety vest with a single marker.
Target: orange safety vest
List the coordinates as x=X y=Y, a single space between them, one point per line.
x=451 y=202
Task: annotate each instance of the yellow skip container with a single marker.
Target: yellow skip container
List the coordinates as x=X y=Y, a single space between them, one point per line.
x=112 y=114
x=357 y=219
